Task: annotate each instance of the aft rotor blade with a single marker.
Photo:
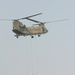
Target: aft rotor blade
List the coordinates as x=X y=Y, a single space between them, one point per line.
x=7 y=19
x=30 y=16
x=21 y=18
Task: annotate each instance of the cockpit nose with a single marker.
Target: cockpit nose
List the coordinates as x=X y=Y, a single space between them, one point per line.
x=46 y=30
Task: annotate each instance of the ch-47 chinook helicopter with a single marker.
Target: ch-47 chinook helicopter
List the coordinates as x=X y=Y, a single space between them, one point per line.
x=21 y=30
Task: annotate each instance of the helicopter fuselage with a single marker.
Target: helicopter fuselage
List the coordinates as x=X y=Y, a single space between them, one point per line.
x=22 y=30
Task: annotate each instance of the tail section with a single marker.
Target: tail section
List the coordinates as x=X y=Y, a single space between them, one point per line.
x=17 y=25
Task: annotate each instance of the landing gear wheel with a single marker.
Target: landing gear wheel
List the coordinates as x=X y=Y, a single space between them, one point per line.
x=32 y=36
x=38 y=35
x=16 y=36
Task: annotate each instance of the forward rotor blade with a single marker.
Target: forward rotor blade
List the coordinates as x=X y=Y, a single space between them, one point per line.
x=34 y=20
x=39 y=23
x=30 y=16
x=56 y=21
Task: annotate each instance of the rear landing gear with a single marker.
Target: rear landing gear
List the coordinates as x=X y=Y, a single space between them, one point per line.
x=16 y=36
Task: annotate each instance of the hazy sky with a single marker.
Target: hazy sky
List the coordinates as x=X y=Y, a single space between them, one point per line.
x=55 y=51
